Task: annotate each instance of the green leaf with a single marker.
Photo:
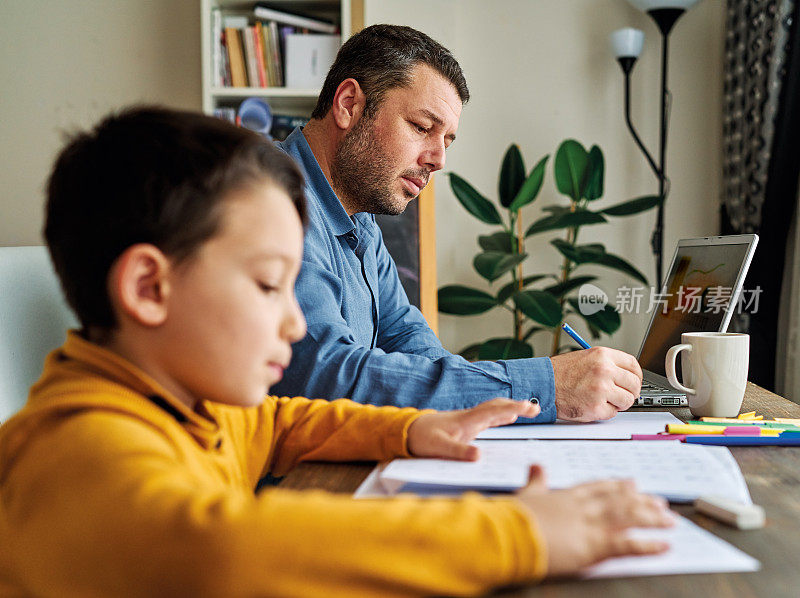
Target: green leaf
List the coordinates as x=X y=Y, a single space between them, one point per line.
x=580 y=254
x=634 y=206
x=475 y=203
x=470 y=353
x=513 y=286
x=500 y=241
x=607 y=319
x=562 y=288
x=512 y=175
x=593 y=184
x=493 y=264
x=617 y=263
x=595 y=253
x=531 y=187
x=504 y=348
x=539 y=306
x=464 y=301
x=555 y=209
x=564 y=220
x=570 y=168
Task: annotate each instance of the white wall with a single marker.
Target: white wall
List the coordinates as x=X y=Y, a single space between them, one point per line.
x=67 y=63
x=540 y=71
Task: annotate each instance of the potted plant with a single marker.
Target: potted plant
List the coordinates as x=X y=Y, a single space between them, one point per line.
x=539 y=302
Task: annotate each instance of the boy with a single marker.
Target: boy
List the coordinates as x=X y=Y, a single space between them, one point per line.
x=131 y=470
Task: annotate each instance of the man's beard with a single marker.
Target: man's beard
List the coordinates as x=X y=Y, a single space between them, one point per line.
x=362 y=172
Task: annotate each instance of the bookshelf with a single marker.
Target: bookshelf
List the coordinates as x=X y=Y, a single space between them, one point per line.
x=349 y=14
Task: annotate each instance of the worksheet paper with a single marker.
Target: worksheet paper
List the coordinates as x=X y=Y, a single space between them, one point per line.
x=619 y=427
x=679 y=472
x=692 y=550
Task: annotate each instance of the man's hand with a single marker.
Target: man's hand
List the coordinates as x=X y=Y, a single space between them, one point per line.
x=447 y=434
x=595 y=383
x=586 y=524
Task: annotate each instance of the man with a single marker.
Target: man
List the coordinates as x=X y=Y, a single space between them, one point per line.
x=386 y=115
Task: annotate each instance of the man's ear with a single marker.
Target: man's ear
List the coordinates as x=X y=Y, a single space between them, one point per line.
x=138 y=284
x=349 y=102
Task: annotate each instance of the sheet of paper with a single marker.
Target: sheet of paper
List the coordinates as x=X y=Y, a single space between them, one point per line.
x=620 y=427
x=679 y=472
x=692 y=550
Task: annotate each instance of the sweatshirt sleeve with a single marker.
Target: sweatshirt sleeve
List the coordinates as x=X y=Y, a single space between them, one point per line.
x=101 y=516
x=341 y=430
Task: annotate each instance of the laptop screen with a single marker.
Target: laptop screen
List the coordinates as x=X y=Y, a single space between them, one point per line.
x=695 y=298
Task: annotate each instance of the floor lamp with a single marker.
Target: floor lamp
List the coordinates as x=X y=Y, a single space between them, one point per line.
x=627 y=44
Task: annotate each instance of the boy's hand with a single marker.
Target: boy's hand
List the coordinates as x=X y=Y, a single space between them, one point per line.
x=586 y=524
x=447 y=434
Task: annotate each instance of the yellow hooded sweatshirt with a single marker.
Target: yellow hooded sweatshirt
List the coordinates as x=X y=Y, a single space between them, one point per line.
x=111 y=487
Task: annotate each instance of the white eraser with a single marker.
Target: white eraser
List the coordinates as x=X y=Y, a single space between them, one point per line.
x=731 y=512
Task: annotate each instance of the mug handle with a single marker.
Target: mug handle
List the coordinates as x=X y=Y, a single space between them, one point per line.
x=672 y=354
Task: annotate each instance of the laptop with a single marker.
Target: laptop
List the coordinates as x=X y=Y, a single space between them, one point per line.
x=701 y=292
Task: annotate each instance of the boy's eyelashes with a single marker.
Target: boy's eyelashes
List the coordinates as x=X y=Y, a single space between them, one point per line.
x=267 y=287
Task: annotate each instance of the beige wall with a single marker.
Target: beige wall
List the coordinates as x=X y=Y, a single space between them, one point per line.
x=540 y=71
x=66 y=63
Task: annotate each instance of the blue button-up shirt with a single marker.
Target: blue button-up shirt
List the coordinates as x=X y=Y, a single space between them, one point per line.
x=365 y=341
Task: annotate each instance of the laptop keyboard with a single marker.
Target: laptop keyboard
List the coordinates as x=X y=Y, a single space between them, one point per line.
x=649 y=386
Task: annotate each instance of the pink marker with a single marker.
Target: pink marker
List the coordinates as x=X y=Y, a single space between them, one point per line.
x=742 y=431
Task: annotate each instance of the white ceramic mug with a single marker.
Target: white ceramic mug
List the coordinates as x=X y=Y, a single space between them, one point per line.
x=714 y=369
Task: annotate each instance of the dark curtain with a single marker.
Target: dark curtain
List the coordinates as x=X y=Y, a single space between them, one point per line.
x=762 y=155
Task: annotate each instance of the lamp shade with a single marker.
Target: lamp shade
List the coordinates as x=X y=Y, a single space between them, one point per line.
x=627 y=43
x=648 y=5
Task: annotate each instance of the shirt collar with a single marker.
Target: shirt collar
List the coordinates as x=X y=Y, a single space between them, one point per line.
x=297 y=146
x=103 y=362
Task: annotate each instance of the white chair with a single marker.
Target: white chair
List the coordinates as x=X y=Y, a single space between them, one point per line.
x=34 y=318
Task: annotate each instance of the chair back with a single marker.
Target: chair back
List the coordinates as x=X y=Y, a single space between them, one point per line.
x=34 y=318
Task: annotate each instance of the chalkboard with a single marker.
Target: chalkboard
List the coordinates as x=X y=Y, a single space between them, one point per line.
x=401 y=235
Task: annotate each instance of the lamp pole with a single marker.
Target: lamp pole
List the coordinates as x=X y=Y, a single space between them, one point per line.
x=627 y=45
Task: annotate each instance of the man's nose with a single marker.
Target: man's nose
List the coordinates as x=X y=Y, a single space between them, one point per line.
x=434 y=157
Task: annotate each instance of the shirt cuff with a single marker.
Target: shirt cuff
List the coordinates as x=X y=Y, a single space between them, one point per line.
x=533 y=380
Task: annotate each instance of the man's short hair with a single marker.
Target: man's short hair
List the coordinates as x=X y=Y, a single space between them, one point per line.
x=382 y=57
x=148 y=175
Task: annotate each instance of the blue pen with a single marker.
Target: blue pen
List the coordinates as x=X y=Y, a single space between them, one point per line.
x=568 y=329
x=785 y=439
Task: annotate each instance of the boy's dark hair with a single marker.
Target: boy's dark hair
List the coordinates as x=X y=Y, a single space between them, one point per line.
x=148 y=175
x=381 y=57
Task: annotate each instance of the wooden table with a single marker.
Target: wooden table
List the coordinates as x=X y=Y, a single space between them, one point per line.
x=773 y=477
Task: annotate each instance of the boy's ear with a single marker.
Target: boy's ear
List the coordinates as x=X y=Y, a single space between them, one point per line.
x=139 y=284
x=349 y=102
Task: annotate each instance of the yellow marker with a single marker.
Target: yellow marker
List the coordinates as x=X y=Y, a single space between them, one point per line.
x=709 y=430
x=788 y=420
x=748 y=415
x=694 y=429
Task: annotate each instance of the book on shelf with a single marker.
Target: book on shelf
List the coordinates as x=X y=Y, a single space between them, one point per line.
x=251 y=60
x=277 y=59
x=233 y=43
x=258 y=38
x=263 y=10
